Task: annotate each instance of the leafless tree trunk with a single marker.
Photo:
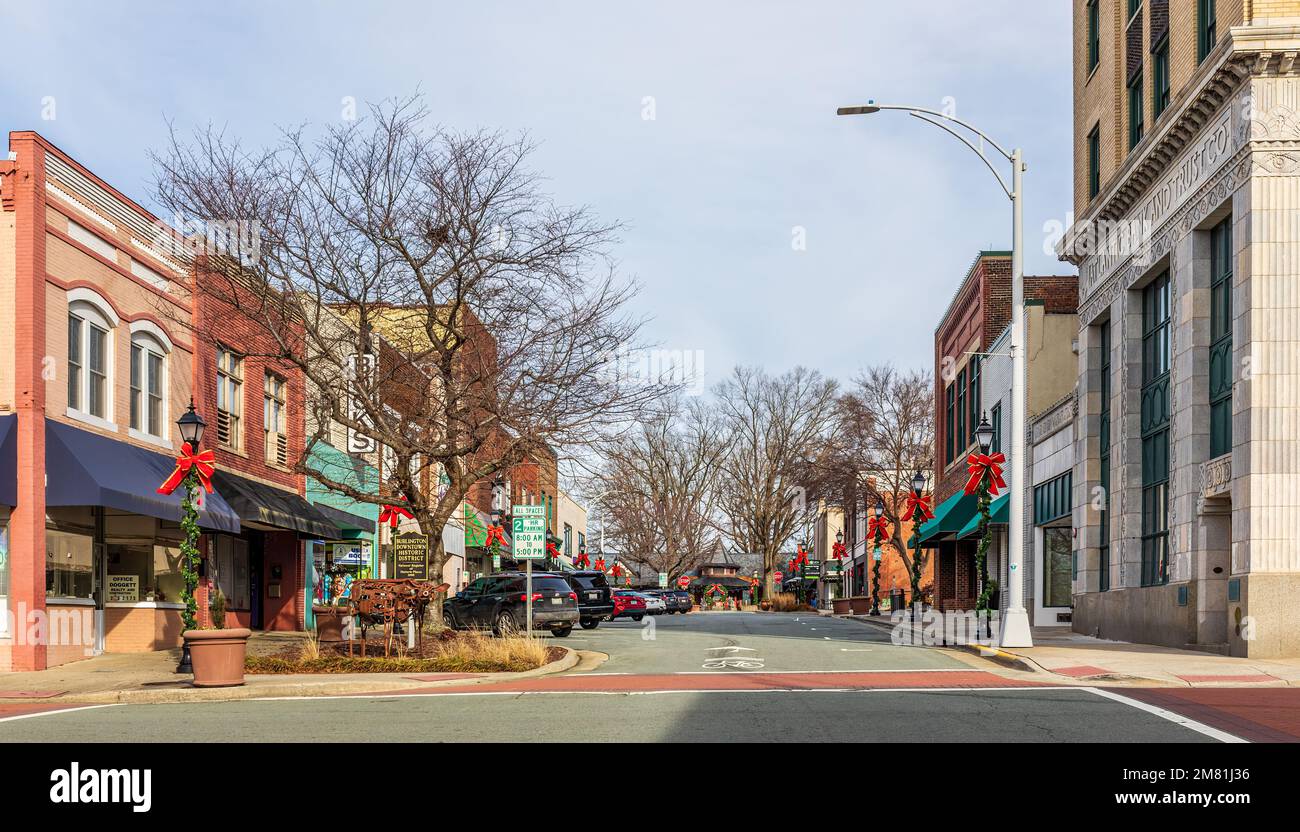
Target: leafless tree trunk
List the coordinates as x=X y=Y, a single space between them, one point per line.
x=774 y=425
x=484 y=317
x=658 y=489
x=883 y=434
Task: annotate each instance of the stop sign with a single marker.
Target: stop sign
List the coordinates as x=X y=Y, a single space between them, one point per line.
x=684 y=581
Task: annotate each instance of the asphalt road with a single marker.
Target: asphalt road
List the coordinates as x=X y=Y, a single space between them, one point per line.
x=697 y=678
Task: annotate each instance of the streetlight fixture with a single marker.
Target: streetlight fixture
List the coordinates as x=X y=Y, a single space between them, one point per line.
x=984 y=434
x=1015 y=621
x=191 y=426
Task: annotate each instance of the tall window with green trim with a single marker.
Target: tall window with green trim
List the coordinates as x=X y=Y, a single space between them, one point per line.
x=950 y=427
x=1103 y=474
x=995 y=422
x=1094 y=36
x=1206 y=28
x=1221 y=338
x=1160 y=78
x=1094 y=161
x=973 y=396
x=1155 y=432
x=962 y=436
x=1136 y=107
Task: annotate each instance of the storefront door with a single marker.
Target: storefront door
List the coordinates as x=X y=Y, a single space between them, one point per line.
x=99 y=591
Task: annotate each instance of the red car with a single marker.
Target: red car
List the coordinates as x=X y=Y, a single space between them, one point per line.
x=628 y=604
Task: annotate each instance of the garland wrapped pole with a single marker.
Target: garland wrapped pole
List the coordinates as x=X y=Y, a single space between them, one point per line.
x=193 y=471
x=877 y=528
x=918 y=511
x=985 y=471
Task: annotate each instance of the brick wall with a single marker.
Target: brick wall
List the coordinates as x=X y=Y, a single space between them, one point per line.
x=140 y=630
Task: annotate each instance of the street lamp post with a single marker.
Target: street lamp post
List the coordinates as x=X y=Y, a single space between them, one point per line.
x=1015 y=622
x=984 y=437
x=918 y=487
x=877 y=556
x=191 y=426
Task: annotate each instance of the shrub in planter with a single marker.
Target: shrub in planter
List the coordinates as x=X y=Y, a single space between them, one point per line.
x=217 y=655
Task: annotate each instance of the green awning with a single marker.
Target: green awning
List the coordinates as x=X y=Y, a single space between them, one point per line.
x=999 y=513
x=951 y=515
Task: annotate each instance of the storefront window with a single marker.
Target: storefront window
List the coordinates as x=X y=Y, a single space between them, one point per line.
x=69 y=565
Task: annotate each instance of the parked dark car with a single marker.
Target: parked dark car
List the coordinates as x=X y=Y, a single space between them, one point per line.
x=595 y=597
x=498 y=602
x=674 y=600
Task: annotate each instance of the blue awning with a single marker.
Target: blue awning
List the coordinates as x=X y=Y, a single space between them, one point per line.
x=9 y=460
x=86 y=469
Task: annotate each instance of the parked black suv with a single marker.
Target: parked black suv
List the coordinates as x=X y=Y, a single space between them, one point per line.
x=499 y=601
x=595 y=598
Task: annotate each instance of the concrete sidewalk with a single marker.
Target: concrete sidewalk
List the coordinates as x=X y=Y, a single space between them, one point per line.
x=152 y=678
x=1072 y=657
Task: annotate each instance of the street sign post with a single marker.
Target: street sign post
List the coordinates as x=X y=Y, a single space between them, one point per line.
x=528 y=542
x=663 y=580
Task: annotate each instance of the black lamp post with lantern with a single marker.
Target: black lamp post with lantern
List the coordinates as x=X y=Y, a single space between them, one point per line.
x=191 y=426
x=877 y=556
x=918 y=494
x=984 y=436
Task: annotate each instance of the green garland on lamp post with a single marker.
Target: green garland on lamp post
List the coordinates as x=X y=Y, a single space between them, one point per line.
x=197 y=468
x=984 y=436
x=877 y=525
x=190 y=551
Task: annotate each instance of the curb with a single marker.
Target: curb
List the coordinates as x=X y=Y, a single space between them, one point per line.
x=994 y=654
x=306 y=688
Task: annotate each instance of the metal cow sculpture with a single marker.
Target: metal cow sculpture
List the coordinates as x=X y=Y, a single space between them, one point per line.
x=388 y=602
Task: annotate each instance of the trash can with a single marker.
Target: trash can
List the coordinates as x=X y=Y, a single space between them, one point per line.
x=897 y=600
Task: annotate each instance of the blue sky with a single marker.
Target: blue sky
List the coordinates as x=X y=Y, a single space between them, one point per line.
x=743 y=149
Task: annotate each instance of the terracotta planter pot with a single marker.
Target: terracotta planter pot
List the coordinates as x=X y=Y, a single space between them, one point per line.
x=218 y=656
x=841 y=606
x=329 y=622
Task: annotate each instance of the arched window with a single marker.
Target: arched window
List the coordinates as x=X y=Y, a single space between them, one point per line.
x=149 y=349
x=91 y=321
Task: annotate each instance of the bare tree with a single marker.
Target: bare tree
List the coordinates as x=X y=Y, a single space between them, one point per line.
x=480 y=318
x=658 y=489
x=883 y=434
x=774 y=425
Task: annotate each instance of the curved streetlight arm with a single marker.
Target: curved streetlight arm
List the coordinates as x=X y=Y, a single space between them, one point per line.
x=969 y=144
x=1006 y=154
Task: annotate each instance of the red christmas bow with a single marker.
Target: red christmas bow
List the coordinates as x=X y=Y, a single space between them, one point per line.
x=877 y=527
x=801 y=558
x=600 y=564
x=203 y=462
x=616 y=571
x=496 y=533
x=980 y=464
x=920 y=506
x=552 y=552
x=582 y=561
x=392 y=515
x=838 y=551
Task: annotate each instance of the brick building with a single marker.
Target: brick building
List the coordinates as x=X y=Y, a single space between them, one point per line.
x=978 y=314
x=1186 y=137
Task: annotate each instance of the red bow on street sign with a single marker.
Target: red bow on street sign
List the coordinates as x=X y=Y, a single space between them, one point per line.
x=392 y=515
x=203 y=462
x=980 y=465
x=877 y=527
x=496 y=533
x=920 y=506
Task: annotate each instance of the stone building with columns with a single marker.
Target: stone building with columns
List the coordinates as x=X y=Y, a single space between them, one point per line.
x=1186 y=480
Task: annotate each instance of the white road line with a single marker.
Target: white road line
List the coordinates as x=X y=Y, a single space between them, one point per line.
x=58 y=711
x=1199 y=727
